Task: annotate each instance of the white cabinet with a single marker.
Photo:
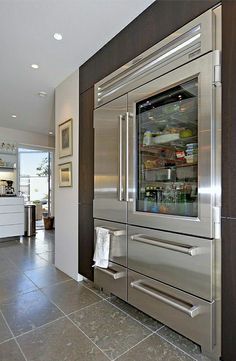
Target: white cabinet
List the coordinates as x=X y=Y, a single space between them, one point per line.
x=11 y=217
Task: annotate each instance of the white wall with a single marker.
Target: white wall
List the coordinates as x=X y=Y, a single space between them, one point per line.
x=66 y=199
x=26 y=138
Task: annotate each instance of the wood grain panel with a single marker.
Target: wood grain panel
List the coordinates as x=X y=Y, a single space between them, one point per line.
x=158 y=21
x=86 y=239
x=86 y=147
x=228 y=180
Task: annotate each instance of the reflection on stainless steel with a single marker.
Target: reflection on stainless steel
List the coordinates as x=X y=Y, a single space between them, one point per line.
x=157 y=184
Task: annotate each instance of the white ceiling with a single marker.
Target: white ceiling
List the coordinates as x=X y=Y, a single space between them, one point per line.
x=26 y=33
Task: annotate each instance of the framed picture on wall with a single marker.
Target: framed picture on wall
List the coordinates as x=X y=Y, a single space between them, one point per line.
x=65 y=139
x=65 y=174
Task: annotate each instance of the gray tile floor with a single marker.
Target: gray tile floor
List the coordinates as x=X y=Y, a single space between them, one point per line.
x=46 y=316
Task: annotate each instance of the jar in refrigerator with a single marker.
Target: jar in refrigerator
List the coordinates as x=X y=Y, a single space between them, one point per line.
x=147 y=138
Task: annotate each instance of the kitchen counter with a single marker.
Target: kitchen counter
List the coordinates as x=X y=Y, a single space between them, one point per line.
x=11 y=216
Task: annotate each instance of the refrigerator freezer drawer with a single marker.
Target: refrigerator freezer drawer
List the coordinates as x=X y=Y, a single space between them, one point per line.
x=118 y=243
x=181 y=261
x=184 y=313
x=112 y=279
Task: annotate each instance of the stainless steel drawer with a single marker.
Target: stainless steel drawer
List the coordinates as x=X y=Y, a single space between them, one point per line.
x=181 y=261
x=188 y=315
x=112 y=279
x=118 y=243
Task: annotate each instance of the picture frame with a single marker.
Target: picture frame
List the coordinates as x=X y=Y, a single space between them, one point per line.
x=65 y=174
x=66 y=138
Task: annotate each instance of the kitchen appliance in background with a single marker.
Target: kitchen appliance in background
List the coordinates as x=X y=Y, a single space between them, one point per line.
x=157 y=182
x=6 y=188
x=9 y=188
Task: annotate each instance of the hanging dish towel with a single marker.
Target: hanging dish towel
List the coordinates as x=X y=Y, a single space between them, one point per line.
x=102 y=248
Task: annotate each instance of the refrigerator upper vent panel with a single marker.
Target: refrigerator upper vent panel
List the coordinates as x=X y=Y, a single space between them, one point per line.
x=189 y=42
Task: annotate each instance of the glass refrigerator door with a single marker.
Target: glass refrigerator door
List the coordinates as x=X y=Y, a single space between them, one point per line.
x=167 y=141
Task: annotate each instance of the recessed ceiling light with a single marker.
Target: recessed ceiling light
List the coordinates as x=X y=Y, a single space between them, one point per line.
x=57 y=36
x=35 y=66
x=13 y=116
x=42 y=94
x=50 y=133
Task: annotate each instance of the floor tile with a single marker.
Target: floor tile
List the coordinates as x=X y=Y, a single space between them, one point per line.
x=47 y=256
x=13 y=283
x=10 y=243
x=28 y=311
x=38 y=245
x=59 y=341
x=45 y=236
x=113 y=331
x=146 y=320
x=6 y=265
x=46 y=276
x=26 y=260
x=9 y=351
x=5 y=333
x=154 y=348
x=183 y=343
x=95 y=289
x=71 y=296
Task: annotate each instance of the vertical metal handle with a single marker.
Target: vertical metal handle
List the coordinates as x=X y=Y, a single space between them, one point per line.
x=127 y=159
x=120 y=166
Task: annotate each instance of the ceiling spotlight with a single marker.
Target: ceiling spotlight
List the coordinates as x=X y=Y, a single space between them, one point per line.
x=50 y=133
x=13 y=116
x=57 y=36
x=42 y=94
x=35 y=66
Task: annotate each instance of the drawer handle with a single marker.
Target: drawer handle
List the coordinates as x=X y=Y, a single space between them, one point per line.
x=114 y=275
x=191 y=312
x=190 y=251
x=115 y=232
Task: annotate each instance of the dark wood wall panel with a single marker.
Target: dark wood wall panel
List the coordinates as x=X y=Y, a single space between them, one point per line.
x=86 y=147
x=86 y=237
x=86 y=174
x=228 y=181
x=158 y=21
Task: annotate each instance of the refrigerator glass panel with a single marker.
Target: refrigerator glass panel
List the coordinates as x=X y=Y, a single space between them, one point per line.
x=167 y=134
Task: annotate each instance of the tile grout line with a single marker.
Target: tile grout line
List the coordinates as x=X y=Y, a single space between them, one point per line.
x=37 y=328
x=67 y=317
x=117 y=358
x=107 y=299
x=40 y=288
x=82 y=309
x=126 y=313
x=153 y=332
x=71 y=313
x=175 y=346
x=8 y=339
x=94 y=291
x=102 y=300
x=13 y=336
x=87 y=336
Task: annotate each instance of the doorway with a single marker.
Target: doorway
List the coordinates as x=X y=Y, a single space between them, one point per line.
x=35 y=180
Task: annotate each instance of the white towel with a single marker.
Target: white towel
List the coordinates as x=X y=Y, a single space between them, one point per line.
x=102 y=247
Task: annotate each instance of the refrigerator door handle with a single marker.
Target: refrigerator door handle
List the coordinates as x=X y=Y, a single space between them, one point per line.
x=120 y=166
x=188 y=250
x=127 y=116
x=191 y=311
x=111 y=273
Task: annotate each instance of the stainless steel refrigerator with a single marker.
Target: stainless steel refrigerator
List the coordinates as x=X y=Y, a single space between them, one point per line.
x=157 y=127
